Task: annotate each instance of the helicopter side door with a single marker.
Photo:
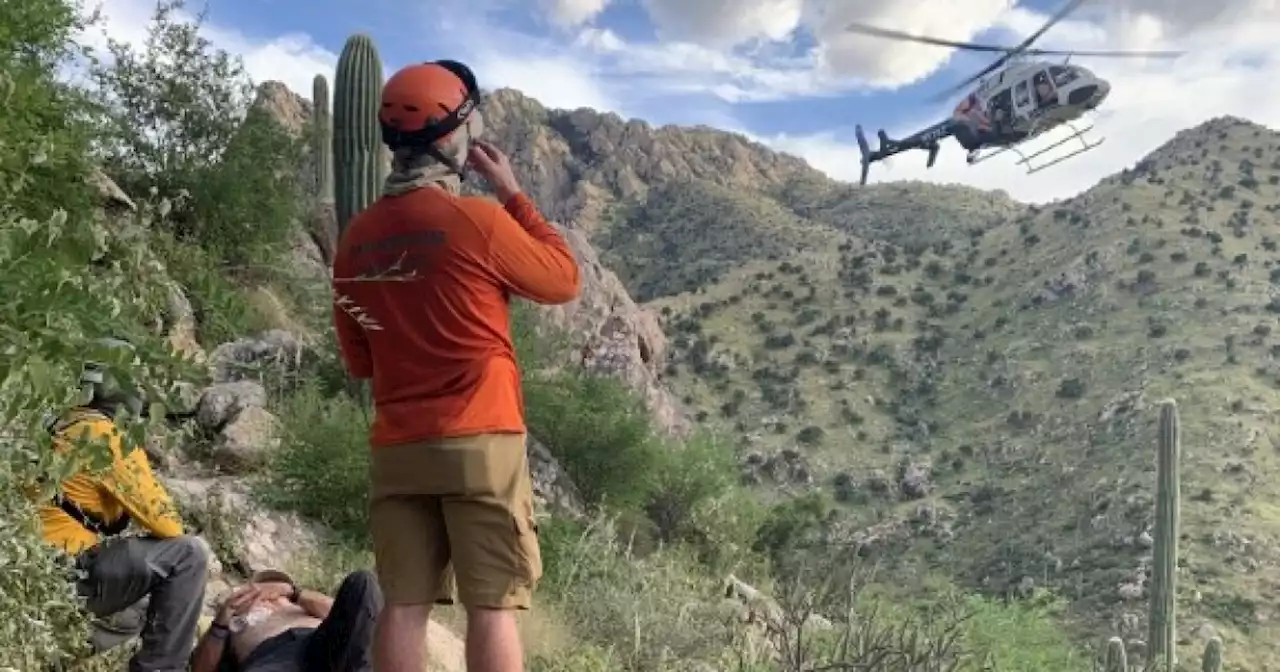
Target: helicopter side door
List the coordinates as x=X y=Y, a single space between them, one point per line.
x=1022 y=100
x=1046 y=88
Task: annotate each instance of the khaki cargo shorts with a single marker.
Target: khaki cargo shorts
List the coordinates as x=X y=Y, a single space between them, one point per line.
x=465 y=502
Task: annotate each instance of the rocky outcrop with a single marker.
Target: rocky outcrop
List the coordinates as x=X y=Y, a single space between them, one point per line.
x=552 y=487
x=249 y=358
x=610 y=334
x=177 y=322
x=573 y=162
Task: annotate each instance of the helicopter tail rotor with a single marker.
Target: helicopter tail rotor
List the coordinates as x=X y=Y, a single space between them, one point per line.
x=926 y=139
x=867 y=156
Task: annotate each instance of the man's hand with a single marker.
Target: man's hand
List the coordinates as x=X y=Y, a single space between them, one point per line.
x=238 y=602
x=490 y=162
x=246 y=596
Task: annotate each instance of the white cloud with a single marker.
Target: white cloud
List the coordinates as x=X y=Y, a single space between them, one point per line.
x=559 y=82
x=725 y=22
x=1229 y=70
x=838 y=58
x=294 y=59
x=573 y=12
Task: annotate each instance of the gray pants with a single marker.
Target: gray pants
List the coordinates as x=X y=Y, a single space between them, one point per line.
x=153 y=588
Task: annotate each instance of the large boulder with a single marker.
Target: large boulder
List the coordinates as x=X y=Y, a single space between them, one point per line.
x=276 y=351
x=610 y=334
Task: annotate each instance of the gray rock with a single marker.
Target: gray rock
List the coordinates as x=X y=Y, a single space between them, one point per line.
x=247 y=537
x=222 y=402
x=246 y=442
x=915 y=481
x=611 y=335
x=276 y=351
x=551 y=485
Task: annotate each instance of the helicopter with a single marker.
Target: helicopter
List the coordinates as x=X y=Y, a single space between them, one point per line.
x=1018 y=97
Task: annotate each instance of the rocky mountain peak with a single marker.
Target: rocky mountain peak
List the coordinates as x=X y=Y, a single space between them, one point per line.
x=290 y=109
x=575 y=159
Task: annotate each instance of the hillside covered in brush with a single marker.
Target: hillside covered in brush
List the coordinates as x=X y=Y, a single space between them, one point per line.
x=967 y=381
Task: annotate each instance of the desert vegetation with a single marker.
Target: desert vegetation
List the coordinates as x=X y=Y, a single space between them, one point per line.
x=933 y=451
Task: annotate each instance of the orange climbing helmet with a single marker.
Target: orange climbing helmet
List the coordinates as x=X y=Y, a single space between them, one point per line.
x=425 y=103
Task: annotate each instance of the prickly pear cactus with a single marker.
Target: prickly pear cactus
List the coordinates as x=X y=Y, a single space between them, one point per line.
x=1212 y=656
x=1162 y=638
x=357 y=140
x=322 y=138
x=1116 y=660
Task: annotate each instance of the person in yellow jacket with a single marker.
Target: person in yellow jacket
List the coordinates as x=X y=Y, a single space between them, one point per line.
x=161 y=571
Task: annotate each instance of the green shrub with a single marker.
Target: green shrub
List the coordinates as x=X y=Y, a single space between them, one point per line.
x=688 y=475
x=321 y=469
x=792 y=528
x=175 y=117
x=221 y=310
x=65 y=282
x=601 y=432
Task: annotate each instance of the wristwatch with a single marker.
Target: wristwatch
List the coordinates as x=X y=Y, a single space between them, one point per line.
x=219 y=631
x=296 y=594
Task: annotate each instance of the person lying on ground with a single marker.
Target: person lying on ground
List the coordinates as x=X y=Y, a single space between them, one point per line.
x=150 y=585
x=272 y=625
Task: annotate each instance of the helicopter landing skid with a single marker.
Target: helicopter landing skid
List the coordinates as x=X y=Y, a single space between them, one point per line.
x=1076 y=134
x=1026 y=160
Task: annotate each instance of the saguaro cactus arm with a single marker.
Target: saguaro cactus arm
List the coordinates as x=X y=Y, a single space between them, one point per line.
x=322 y=138
x=1162 y=635
x=357 y=139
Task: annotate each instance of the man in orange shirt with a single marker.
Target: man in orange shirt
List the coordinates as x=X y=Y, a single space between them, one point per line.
x=422 y=285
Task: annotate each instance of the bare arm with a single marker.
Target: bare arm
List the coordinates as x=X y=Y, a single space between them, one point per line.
x=315 y=604
x=209 y=650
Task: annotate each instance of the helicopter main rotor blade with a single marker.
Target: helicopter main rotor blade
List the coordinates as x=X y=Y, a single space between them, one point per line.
x=1021 y=49
x=989 y=48
x=908 y=37
x=1071 y=6
x=1105 y=54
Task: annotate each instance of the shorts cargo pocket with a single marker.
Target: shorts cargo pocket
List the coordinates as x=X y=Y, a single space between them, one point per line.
x=528 y=552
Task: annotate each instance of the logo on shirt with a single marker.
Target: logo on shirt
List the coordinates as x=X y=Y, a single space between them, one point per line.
x=357 y=312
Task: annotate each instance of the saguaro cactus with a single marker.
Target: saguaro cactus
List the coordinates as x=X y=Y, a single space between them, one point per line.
x=322 y=138
x=1116 y=660
x=356 y=135
x=1212 y=656
x=1162 y=637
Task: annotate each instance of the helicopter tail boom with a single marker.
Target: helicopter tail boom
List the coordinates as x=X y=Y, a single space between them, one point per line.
x=926 y=139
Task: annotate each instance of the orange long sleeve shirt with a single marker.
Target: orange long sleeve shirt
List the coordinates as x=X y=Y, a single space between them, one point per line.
x=422 y=285
x=128 y=487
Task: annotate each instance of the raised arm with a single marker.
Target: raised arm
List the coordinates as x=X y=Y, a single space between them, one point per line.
x=529 y=255
x=525 y=252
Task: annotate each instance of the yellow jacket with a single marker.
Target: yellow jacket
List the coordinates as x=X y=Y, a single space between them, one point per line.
x=128 y=487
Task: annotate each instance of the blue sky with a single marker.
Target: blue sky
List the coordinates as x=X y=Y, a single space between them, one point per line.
x=783 y=71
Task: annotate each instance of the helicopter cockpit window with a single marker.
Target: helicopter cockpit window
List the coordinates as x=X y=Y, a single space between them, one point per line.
x=1022 y=95
x=1062 y=75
